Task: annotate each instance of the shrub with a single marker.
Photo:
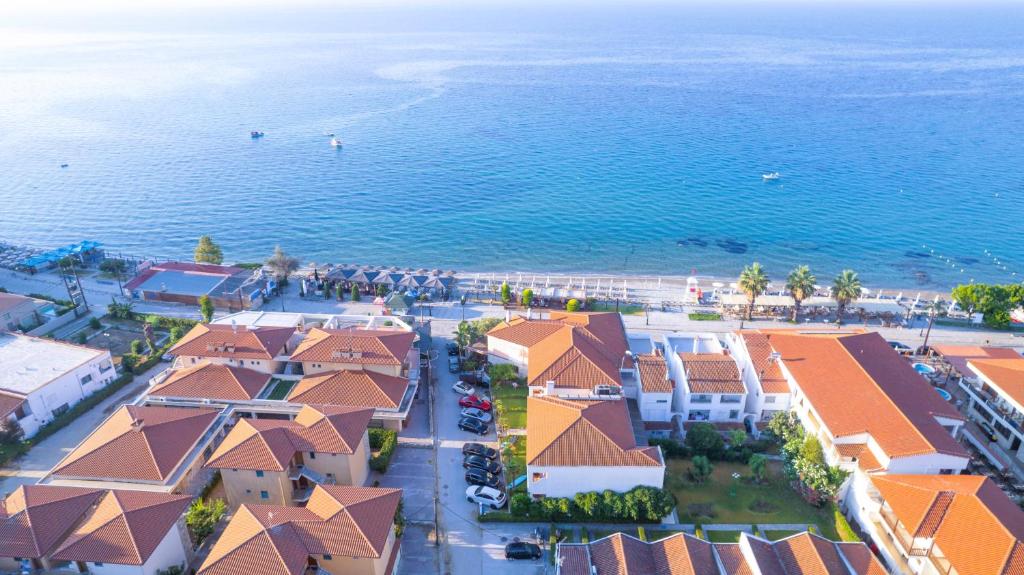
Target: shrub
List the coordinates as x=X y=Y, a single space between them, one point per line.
x=527 y=297
x=671 y=448
x=11 y=432
x=399 y=520
x=701 y=469
x=641 y=533
x=638 y=505
x=175 y=334
x=80 y=338
x=164 y=322
x=758 y=466
x=94 y=323
x=572 y=305
x=384 y=441
x=843 y=527
x=202 y=517
x=506 y=293
x=130 y=360
x=354 y=293
x=704 y=439
x=704 y=316
x=502 y=372
x=206 y=308
x=136 y=346
x=519 y=504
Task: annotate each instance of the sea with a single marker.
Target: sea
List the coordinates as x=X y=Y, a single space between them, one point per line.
x=581 y=138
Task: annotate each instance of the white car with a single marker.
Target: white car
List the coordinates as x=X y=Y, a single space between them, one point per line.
x=476 y=414
x=463 y=388
x=488 y=496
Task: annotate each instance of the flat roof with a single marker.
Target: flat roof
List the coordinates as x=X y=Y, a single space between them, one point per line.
x=30 y=362
x=186 y=283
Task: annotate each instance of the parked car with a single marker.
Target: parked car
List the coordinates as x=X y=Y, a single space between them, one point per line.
x=476 y=414
x=990 y=433
x=453 y=364
x=479 y=462
x=453 y=348
x=486 y=495
x=481 y=403
x=479 y=449
x=477 y=377
x=473 y=426
x=480 y=477
x=463 y=388
x=522 y=550
x=901 y=348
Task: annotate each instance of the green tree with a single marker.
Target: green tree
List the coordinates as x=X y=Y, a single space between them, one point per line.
x=700 y=469
x=845 y=289
x=113 y=267
x=572 y=305
x=589 y=503
x=758 y=466
x=282 y=265
x=339 y=292
x=80 y=338
x=175 y=334
x=527 y=297
x=502 y=372
x=120 y=310
x=382 y=290
x=207 y=252
x=506 y=293
x=206 y=308
x=737 y=438
x=202 y=517
x=704 y=439
x=355 y=292
x=811 y=451
x=129 y=361
x=11 y=432
x=94 y=323
x=800 y=284
x=136 y=346
x=753 y=282
x=520 y=504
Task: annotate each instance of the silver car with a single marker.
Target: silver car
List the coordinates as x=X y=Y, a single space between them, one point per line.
x=476 y=414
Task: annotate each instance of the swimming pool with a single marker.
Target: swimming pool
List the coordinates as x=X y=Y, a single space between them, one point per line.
x=924 y=369
x=945 y=394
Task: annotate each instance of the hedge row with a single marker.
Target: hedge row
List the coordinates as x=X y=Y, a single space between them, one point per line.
x=163 y=322
x=386 y=441
x=639 y=505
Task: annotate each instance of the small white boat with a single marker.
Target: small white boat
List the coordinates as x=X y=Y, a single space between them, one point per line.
x=770 y=176
x=335 y=142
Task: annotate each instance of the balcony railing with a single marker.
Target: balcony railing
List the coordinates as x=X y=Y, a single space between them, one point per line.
x=902 y=537
x=1010 y=417
x=941 y=564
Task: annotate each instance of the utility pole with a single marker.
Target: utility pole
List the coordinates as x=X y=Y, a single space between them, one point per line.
x=73 y=286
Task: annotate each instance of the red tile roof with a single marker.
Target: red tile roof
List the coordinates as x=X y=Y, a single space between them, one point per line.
x=524 y=332
x=1005 y=374
x=125 y=528
x=959 y=355
x=137 y=444
x=234 y=342
x=807 y=554
x=769 y=373
x=351 y=387
x=583 y=433
x=958 y=512
x=357 y=346
x=275 y=540
x=711 y=373
x=8 y=403
x=732 y=559
x=572 y=358
x=34 y=518
x=654 y=373
x=270 y=444
x=858 y=384
x=212 y=381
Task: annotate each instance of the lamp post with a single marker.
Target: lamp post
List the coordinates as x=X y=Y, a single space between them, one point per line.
x=462 y=303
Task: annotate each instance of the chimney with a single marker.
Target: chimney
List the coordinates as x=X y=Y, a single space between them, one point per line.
x=234 y=327
x=508 y=315
x=137 y=425
x=549 y=387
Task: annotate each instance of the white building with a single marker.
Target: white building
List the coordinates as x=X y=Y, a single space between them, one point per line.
x=575 y=446
x=42 y=378
x=655 y=388
x=768 y=390
x=707 y=380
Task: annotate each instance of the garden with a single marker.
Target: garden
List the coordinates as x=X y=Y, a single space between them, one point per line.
x=509 y=404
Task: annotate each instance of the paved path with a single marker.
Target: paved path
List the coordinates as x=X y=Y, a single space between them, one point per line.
x=41 y=458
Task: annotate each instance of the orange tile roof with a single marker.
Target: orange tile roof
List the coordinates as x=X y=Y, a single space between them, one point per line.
x=34 y=518
x=678 y=554
x=1006 y=374
x=654 y=373
x=8 y=403
x=958 y=512
x=276 y=540
x=712 y=373
x=861 y=559
x=524 y=332
x=583 y=433
x=732 y=559
x=137 y=443
x=606 y=327
x=352 y=345
x=125 y=528
x=572 y=358
x=807 y=554
x=351 y=387
x=235 y=342
x=959 y=355
x=270 y=444
x=212 y=381
x=858 y=384
x=769 y=373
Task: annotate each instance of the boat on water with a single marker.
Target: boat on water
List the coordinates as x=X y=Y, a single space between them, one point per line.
x=770 y=176
x=329 y=134
x=255 y=134
x=335 y=143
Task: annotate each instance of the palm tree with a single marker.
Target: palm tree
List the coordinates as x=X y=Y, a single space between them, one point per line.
x=282 y=265
x=753 y=282
x=845 y=289
x=935 y=308
x=800 y=284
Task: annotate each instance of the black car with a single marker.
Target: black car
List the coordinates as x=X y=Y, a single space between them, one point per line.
x=522 y=550
x=479 y=449
x=473 y=425
x=478 y=462
x=480 y=477
x=453 y=349
x=901 y=348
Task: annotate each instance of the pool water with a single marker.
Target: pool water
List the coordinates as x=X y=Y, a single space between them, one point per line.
x=945 y=394
x=924 y=369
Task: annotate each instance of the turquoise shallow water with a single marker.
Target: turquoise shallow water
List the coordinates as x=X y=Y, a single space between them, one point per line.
x=616 y=142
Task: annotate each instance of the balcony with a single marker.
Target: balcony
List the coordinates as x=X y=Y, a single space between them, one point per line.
x=906 y=541
x=941 y=564
x=996 y=407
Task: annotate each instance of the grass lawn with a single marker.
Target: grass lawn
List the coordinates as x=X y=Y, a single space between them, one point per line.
x=623 y=308
x=776 y=535
x=722 y=499
x=510 y=405
x=716 y=536
x=280 y=388
x=705 y=316
x=514 y=458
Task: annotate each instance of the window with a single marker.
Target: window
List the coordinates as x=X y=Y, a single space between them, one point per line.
x=700 y=398
x=312 y=455
x=327 y=557
x=661 y=401
x=86 y=379
x=734 y=413
x=538 y=476
x=24 y=410
x=769 y=399
x=98 y=564
x=259 y=473
x=248 y=491
x=945 y=472
x=731 y=398
x=264 y=495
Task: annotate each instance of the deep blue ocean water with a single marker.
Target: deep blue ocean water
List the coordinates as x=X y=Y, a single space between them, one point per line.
x=607 y=140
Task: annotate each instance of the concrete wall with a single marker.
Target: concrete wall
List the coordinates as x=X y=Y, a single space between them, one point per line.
x=242 y=486
x=66 y=389
x=654 y=406
x=341 y=565
x=502 y=351
x=346 y=469
x=168 y=553
x=261 y=365
x=314 y=367
x=568 y=481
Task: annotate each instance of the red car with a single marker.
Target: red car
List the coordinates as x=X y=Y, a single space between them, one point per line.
x=474 y=401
